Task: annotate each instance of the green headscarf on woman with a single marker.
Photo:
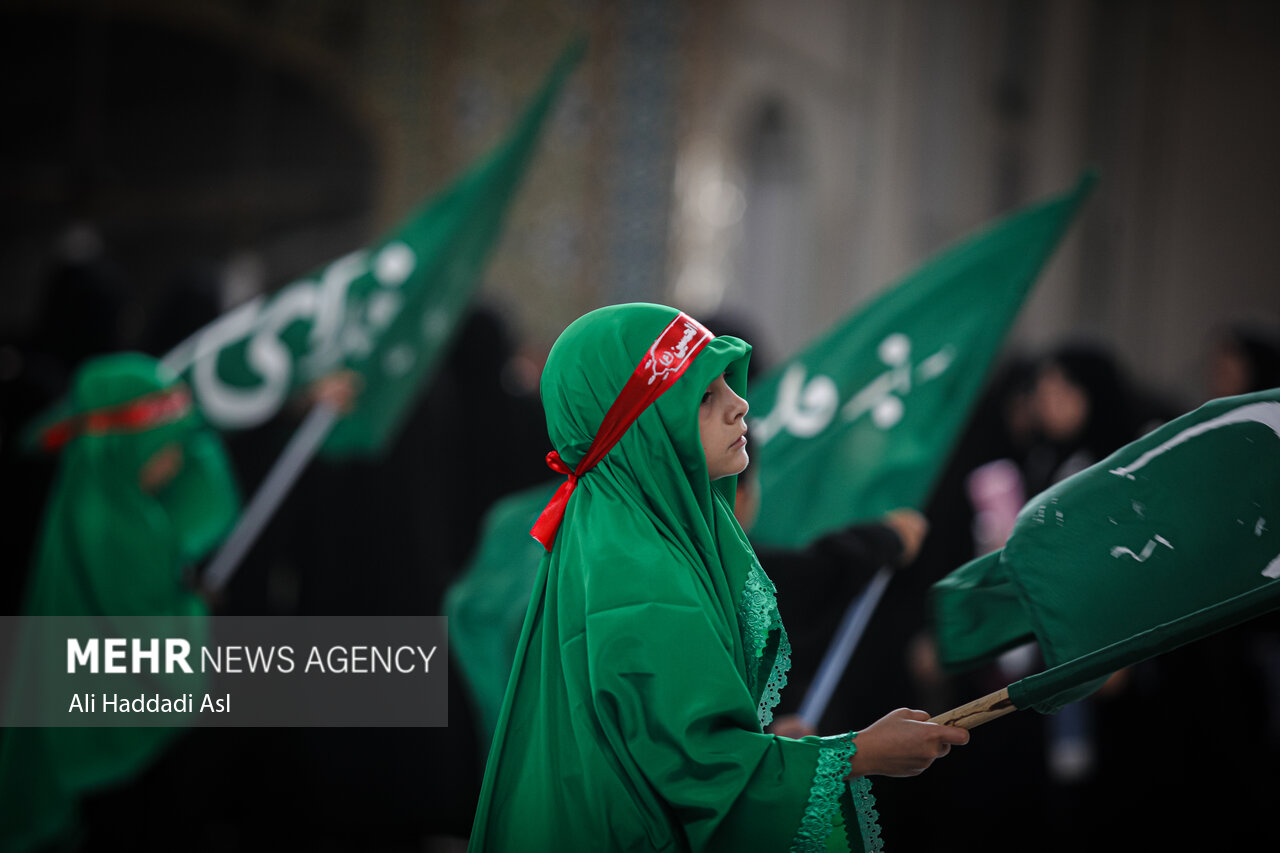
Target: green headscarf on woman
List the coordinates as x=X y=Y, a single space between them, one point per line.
x=653 y=654
x=143 y=491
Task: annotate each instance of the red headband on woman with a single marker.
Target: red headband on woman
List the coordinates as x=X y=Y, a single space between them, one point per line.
x=662 y=365
x=146 y=412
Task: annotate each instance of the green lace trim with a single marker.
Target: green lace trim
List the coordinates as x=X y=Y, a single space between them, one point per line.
x=758 y=615
x=772 y=693
x=758 y=610
x=834 y=756
x=824 y=795
x=864 y=803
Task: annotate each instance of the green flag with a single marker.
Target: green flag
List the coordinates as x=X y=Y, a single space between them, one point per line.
x=1171 y=538
x=387 y=311
x=862 y=420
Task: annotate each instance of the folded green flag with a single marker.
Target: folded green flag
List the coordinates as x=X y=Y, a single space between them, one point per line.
x=1169 y=539
x=862 y=421
x=386 y=311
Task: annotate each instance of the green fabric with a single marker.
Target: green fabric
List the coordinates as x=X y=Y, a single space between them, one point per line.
x=487 y=604
x=862 y=420
x=1170 y=538
x=653 y=651
x=108 y=549
x=388 y=311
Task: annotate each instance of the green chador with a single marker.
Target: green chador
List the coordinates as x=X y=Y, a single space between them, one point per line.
x=112 y=549
x=653 y=653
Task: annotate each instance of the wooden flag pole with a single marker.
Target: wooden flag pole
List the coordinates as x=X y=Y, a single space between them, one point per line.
x=978 y=711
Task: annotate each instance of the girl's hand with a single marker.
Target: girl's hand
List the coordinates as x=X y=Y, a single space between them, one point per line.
x=911 y=528
x=903 y=743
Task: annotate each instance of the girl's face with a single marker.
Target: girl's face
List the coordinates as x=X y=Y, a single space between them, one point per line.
x=1061 y=406
x=160 y=469
x=723 y=430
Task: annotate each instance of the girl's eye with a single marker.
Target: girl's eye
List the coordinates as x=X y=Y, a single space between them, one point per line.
x=706 y=396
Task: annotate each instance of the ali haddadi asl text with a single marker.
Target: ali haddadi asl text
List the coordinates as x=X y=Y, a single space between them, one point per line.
x=91 y=703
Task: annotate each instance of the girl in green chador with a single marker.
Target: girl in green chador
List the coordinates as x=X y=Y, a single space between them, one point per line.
x=143 y=491
x=653 y=652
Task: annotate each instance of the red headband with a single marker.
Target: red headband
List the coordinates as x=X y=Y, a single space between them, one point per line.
x=663 y=364
x=152 y=410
